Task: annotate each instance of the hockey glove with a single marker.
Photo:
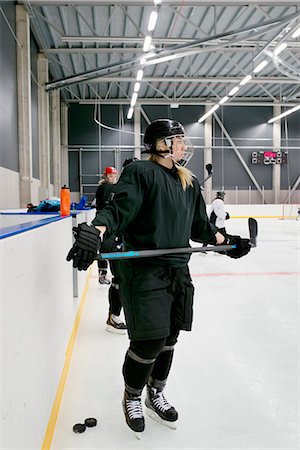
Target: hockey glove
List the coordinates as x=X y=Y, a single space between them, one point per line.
x=242 y=246
x=112 y=244
x=86 y=246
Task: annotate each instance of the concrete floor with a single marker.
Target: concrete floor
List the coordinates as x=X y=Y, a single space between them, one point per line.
x=235 y=378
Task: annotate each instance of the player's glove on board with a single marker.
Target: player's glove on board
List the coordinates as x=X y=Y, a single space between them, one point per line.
x=242 y=246
x=86 y=246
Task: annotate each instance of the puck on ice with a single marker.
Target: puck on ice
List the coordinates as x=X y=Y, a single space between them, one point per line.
x=90 y=422
x=79 y=428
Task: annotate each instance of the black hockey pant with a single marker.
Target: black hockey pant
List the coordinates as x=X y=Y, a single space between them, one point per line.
x=115 y=305
x=148 y=359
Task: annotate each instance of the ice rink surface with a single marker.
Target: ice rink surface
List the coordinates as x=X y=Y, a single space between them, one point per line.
x=235 y=378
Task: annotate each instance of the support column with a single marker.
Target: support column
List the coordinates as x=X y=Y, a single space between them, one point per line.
x=276 y=146
x=24 y=104
x=137 y=133
x=43 y=118
x=56 y=142
x=208 y=154
x=64 y=145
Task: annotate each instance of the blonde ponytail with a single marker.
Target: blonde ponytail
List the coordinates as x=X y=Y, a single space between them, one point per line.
x=185 y=175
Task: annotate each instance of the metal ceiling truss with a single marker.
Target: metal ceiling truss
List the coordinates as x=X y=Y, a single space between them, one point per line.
x=99 y=68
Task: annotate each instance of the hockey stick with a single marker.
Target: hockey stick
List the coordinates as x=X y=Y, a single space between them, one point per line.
x=252 y=224
x=163 y=251
x=209 y=169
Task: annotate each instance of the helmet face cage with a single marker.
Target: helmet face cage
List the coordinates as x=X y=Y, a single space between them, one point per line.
x=188 y=148
x=167 y=130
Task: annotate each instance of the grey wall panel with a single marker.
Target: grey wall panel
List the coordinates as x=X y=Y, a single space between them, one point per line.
x=74 y=171
x=34 y=108
x=290 y=171
x=83 y=130
x=112 y=116
x=9 y=157
x=247 y=126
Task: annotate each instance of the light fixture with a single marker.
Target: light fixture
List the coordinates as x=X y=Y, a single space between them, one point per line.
x=245 y=80
x=160 y=60
x=233 y=91
x=152 y=20
x=174 y=105
x=286 y=113
x=223 y=100
x=212 y=110
x=260 y=66
x=139 y=75
x=280 y=48
x=147 y=43
x=296 y=33
x=157 y=2
x=130 y=113
x=142 y=61
x=137 y=87
x=133 y=99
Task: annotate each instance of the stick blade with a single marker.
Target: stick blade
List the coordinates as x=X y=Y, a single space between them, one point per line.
x=253 y=229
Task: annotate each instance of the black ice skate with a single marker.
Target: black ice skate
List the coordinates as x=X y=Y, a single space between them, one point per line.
x=132 y=407
x=115 y=325
x=159 y=409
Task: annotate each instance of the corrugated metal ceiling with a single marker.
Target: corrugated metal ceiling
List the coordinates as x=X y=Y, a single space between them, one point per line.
x=213 y=45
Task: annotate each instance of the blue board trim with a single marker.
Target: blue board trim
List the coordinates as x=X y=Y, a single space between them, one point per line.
x=22 y=227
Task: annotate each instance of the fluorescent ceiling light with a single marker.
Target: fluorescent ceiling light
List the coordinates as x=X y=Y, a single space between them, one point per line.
x=245 y=80
x=139 y=75
x=137 y=87
x=152 y=21
x=286 y=113
x=157 y=2
x=223 y=100
x=130 y=113
x=133 y=99
x=260 y=66
x=174 y=105
x=233 y=91
x=160 y=60
x=280 y=48
x=147 y=43
x=296 y=33
x=212 y=110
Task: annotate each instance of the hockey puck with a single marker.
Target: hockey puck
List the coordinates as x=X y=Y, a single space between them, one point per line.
x=79 y=428
x=90 y=422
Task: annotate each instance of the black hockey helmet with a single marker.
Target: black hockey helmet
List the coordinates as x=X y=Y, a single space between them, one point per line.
x=164 y=129
x=221 y=195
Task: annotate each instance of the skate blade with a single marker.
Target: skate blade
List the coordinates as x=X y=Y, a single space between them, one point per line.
x=138 y=435
x=111 y=329
x=158 y=419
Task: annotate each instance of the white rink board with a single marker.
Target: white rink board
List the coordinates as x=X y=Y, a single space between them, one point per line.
x=37 y=317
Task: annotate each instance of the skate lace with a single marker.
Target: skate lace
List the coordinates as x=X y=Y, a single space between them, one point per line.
x=160 y=402
x=134 y=409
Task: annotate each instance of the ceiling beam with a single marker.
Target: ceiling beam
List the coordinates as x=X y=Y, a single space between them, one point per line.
x=241 y=101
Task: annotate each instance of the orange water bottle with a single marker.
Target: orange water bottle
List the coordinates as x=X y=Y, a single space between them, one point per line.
x=65 y=201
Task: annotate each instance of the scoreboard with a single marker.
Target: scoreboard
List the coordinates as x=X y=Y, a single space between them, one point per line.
x=269 y=157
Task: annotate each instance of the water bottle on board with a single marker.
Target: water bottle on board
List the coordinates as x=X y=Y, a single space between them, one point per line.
x=65 y=201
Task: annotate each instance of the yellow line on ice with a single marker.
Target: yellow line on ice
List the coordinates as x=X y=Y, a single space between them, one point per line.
x=61 y=385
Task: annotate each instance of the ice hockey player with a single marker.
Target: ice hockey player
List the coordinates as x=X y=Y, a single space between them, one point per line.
x=103 y=196
x=218 y=215
x=157 y=204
